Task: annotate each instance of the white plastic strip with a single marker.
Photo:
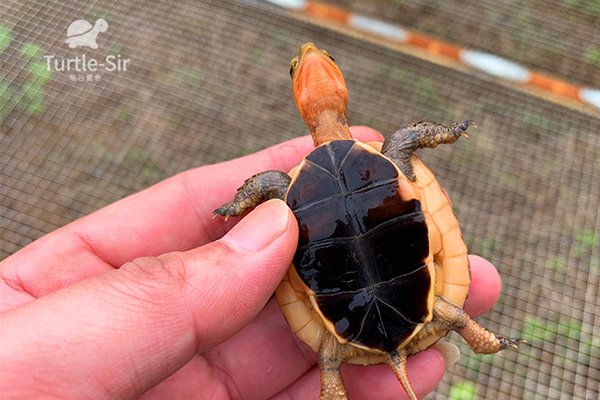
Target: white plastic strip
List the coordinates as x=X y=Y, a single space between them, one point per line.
x=295 y=4
x=495 y=65
x=590 y=96
x=378 y=27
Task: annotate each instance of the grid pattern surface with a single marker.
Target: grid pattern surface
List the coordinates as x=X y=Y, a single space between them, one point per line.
x=559 y=37
x=208 y=81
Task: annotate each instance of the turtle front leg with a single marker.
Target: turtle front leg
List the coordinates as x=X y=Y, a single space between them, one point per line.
x=263 y=186
x=399 y=146
x=331 y=356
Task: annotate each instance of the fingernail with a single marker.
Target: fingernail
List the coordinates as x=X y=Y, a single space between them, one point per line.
x=450 y=352
x=259 y=228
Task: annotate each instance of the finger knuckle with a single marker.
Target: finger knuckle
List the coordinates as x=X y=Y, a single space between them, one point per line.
x=154 y=279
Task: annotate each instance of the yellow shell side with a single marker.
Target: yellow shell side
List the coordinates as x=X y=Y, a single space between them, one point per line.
x=304 y=321
x=453 y=274
x=455 y=270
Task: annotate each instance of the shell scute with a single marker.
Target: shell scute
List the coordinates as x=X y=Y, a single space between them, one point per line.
x=286 y=294
x=445 y=220
x=454 y=272
x=454 y=244
x=319 y=187
x=359 y=173
x=337 y=155
x=329 y=267
x=381 y=317
x=301 y=315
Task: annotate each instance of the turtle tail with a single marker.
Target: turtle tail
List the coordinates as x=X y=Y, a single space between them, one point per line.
x=397 y=361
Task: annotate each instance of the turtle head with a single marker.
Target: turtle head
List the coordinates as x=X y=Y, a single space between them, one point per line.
x=320 y=94
x=101 y=25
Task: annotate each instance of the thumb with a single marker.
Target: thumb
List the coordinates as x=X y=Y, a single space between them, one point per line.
x=242 y=270
x=129 y=329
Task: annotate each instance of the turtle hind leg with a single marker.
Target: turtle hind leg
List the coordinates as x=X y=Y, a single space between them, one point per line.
x=331 y=356
x=400 y=145
x=481 y=341
x=449 y=317
x=397 y=360
x=263 y=186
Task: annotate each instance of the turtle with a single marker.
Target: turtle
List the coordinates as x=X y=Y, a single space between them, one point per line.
x=81 y=33
x=381 y=269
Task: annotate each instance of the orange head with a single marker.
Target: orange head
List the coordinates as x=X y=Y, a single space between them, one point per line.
x=320 y=94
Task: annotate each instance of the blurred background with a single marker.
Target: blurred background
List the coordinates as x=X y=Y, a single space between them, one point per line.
x=208 y=81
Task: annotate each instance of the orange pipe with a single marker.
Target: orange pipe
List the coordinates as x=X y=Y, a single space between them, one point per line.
x=327 y=12
x=434 y=46
x=554 y=85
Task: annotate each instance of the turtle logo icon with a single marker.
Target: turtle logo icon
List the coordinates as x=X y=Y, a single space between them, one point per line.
x=82 y=33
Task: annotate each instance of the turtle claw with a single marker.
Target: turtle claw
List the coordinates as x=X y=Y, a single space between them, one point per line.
x=468 y=123
x=226 y=217
x=226 y=211
x=508 y=342
x=461 y=127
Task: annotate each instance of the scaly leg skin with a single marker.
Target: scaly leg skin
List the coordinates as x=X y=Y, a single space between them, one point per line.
x=447 y=316
x=263 y=186
x=397 y=360
x=399 y=146
x=481 y=341
x=331 y=356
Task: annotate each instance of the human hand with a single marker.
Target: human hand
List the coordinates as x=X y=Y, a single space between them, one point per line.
x=147 y=298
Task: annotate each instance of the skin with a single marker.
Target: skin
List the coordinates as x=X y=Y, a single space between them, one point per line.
x=320 y=94
x=147 y=298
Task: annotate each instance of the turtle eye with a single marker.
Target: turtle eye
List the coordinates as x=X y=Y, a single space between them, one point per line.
x=293 y=65
x=328 y=55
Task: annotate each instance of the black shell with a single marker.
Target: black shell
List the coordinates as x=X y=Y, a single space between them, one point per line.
x=362 y=248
